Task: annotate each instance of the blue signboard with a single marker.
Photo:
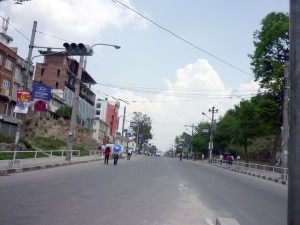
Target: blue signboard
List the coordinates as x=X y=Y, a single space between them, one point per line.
x=127 y=134
x=41 y=91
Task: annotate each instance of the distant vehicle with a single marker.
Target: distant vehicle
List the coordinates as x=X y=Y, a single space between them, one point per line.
x=158 y=153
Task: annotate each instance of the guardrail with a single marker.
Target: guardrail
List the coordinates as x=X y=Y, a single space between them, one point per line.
x=272 y=172
x=47 y=154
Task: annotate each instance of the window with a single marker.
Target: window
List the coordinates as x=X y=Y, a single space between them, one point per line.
x=42 y=72
x=58 y=73
x=5 y=84
x=5 y=111
x=1 y=60
x=56 y=85
x=18 y=74
x=8 y=64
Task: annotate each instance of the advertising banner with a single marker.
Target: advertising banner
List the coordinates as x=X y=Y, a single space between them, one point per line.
x=23 y=101
x=41 y=91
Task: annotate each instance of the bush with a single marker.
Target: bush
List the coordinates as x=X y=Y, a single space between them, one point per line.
x=48 y=143
x=6 y=139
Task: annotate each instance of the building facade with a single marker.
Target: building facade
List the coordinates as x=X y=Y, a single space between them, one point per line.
x=60 y=73
x=12 y=76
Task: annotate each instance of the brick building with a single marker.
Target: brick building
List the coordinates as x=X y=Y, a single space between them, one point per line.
x=12 y=77
x=60 y=73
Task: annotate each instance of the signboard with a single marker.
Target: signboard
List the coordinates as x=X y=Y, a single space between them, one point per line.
x=23 y=101
x=134 y=124
x=41 y=91
x=127 y=134
x=205 y=130
x=40 y=105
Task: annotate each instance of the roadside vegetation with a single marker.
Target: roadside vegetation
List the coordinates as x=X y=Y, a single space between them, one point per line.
x=42 y=144
x=253 y=128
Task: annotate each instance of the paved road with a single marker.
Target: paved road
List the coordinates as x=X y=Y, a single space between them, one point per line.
x=144 y=190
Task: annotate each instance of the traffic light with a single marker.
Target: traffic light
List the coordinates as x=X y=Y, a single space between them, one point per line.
x=78 y=49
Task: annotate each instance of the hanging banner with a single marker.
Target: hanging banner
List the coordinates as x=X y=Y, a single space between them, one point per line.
x=23 y=101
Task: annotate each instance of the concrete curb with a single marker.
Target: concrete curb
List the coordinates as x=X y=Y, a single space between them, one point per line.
x=226 y=221
x=5 y=172
x=276 y=180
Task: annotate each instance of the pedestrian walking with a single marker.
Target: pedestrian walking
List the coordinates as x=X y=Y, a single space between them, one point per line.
x=180 y=156
x=106 y=155
x=116 y=158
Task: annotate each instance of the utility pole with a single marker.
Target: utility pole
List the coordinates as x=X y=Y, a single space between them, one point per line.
x=211 y=144
x=123 y=124
x=26 y=87
x=192 y=126
x=294 y=129
x=285 y=113
x=28 y=81
x=74 y=109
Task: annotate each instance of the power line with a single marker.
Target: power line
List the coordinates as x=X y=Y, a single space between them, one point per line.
x=182 y=39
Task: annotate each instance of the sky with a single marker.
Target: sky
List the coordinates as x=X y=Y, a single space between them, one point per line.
x=177 y=58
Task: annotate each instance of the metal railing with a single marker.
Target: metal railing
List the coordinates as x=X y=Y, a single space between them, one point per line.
x=273 y=172
x=37 y=154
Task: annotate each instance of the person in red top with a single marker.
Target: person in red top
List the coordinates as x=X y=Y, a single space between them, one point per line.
x=106 y=155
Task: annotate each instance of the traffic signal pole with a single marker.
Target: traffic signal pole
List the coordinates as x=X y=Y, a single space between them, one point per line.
x=74 y=110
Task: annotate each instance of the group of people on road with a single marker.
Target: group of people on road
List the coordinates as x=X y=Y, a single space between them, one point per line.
x=107 y=155
x=108 y=151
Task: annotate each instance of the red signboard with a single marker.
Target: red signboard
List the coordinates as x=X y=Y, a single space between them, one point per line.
x=40 y=105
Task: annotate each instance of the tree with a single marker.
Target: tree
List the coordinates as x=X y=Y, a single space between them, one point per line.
x=225 y=129
x=200 y=141
x=271 y=49
x=271 y=42
x=65 y=112
x=144 y=127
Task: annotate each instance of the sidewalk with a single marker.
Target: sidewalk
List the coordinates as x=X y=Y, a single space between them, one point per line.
x=263 y=174
x=24 y=165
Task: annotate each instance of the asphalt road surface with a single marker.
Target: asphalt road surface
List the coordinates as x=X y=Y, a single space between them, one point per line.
x=141 y=191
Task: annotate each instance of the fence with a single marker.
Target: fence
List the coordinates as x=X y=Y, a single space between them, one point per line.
x=41 y=156
x=266 y=171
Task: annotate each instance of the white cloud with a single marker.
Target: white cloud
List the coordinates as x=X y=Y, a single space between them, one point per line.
x=74 y=20
x=194 y=91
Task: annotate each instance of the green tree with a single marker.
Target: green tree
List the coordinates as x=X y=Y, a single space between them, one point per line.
x=200 y=141
x=144 y=127
x=65 y=112
x=271 y=42
x=225 y=129
x=271 y=49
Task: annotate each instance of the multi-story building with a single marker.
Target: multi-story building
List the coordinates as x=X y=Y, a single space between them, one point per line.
x=60 y=73
x=12 y=76
x=106 y=121
x=112 y=118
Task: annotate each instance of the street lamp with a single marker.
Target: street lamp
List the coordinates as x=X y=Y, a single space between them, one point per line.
x=77 y=50
x=211 y=145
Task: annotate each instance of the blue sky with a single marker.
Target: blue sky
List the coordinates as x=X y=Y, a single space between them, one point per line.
x=193 y=58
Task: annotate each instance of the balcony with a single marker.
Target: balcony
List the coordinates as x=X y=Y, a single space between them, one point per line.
x=4 y=94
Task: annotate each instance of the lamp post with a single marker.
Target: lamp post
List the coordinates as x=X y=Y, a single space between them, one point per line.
x=77 y=50
x=211 y=145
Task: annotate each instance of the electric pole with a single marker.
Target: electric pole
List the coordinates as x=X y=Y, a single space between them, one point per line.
x=294 y=129
x=285 y=113
x=211 y=144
